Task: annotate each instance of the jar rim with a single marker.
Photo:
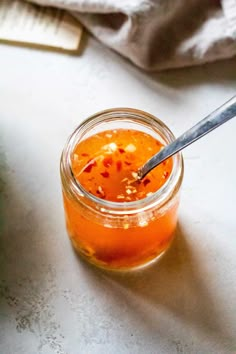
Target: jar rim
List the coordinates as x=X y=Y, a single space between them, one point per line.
x=158 y=198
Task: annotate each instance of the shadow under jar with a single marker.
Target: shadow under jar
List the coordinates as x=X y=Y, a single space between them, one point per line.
x=125 y=232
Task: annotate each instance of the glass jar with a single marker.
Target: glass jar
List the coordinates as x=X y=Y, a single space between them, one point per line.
x=116 y=235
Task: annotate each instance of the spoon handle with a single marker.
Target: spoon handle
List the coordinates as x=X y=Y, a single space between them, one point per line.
x=215 y=119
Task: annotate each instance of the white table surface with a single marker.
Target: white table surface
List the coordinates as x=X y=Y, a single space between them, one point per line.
x=53 y=303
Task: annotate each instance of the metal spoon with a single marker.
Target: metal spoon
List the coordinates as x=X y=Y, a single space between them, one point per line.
x=215 y=119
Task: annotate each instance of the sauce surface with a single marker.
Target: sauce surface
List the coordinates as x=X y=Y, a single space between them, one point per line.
x=106 y=165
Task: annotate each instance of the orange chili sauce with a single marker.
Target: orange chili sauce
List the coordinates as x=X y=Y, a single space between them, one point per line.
x=105 y=165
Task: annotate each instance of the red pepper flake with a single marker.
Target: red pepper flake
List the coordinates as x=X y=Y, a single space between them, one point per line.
x=166 y=174
x=107 y=162
x=105 y=174
x=118 y=165
x=146 y=181
x=84 y=154
x=127 y=163
x=121 y=150
x=90 y=165
x=164 y=163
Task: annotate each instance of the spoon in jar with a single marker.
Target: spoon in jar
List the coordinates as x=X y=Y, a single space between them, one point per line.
x=220 y=116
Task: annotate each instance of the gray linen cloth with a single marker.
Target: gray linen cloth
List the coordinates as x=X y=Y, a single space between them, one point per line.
x=159 y=34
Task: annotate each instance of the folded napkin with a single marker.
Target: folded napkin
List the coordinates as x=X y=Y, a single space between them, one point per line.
x=159 y=34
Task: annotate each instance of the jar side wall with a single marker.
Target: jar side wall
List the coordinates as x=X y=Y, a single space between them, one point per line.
x=123 y=245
